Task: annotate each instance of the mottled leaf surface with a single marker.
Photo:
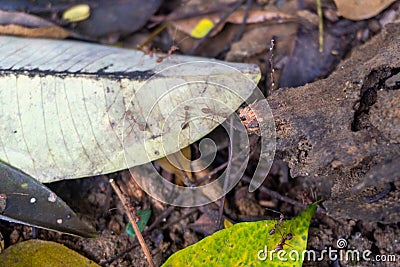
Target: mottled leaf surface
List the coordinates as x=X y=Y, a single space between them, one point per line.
x=43 y=253
x=248 y=244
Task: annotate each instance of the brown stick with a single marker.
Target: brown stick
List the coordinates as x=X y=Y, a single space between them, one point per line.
x=132 y=218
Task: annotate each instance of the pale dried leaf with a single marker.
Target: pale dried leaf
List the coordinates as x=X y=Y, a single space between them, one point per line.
x=81 y=109
x=361 y=9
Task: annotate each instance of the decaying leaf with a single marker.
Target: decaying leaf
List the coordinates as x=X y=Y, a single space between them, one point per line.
x=42 y=253
x=29 y=202
x=81 y=109
x=178 y=164
x=22 y=24
x=198 y=27
x=48 y=32
x=250 y=244
x=360 y=9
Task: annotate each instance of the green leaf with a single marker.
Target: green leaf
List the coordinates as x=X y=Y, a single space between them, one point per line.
x=248 y=244
x=42 y=253
x=27 y=201
x=144 y=216
x=82 y=109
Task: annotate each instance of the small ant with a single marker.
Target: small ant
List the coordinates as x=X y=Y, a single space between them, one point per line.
x=209 y=111
x=170 y=51
x=273 y=230
x=281 y=243
x=147 y=50
x=185 y=123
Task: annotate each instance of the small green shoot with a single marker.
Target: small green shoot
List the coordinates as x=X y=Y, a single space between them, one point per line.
x=144 y=216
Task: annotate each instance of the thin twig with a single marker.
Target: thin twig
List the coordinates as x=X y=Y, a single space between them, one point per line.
x=271 y=64
x=320 y=26
x=159 y=219
x=278 y=196
x=145 y=233
x=133 y=218
x=239 y=33
x=227 y=175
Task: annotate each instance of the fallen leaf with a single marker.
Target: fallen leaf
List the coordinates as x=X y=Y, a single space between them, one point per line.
x=77 y=13
x=249 y=244
x=22 y=24
x=178 y=164
x=42 y=253
x=361 y=9
x=227 y=223
x=43 y=32
x=204 y=225
x=91 y=97
x=30 y=202
x=198 y=27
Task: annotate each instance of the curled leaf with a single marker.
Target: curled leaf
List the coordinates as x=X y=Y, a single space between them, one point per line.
x=27 y=201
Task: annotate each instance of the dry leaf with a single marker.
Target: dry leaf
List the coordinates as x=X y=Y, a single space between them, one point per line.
x=177 y=163
x=93 y=113
x=198 y=27
x=361 y=9
x=43 y=32
x=22 y=24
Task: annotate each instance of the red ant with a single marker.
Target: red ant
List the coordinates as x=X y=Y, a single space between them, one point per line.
x=185 y=123
x=281 y=243
x=170 y=51
x=209 y=111
x=273 y=230
x=146 y=50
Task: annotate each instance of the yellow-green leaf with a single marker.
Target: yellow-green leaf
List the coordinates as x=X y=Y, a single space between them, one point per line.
x=77 y=13
x=249 y=244
x=202 y=28
x=42 y=253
